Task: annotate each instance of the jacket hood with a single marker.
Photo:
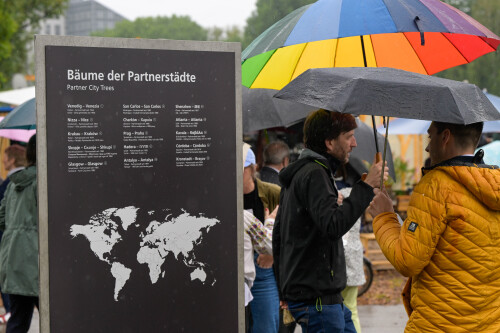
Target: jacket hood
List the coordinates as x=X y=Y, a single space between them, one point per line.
x=483 y=181
x=23 y=178
x=306 y=156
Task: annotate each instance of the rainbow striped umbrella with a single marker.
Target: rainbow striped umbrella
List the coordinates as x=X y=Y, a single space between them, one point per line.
x=422 y=36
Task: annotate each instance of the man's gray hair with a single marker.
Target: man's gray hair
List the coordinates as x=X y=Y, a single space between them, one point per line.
x=275 y=152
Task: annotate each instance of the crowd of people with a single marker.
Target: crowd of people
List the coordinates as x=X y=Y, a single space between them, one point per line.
x=303 y=258
x=447 y=246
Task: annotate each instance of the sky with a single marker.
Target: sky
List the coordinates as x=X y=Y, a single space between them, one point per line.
x=207 y=13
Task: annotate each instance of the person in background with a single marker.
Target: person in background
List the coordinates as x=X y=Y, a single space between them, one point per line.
x=14 y=160
x=257 y=238
x=308 y=253
x=276 y=157
x=257 y=196
x=449 y=244
x=353 y=250
x=19 y=247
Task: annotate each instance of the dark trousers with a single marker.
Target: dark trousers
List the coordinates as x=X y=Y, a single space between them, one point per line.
x=21 y=313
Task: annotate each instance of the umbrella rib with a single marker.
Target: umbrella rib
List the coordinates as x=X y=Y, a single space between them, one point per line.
x=298 y=60
x=290 y=80
x=363 y=49
x=262 y=68
x=414 y=51
x=461 y=54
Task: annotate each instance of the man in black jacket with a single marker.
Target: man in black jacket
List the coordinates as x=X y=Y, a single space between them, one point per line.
x=307 y=238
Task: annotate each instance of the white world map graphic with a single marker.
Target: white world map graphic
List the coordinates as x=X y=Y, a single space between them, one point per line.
x=176 y=235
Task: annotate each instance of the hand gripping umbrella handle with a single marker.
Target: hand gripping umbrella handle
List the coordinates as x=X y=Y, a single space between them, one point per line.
x=378 y=158
x=385 y=152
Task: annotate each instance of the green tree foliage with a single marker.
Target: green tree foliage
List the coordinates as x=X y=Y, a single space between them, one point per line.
x=267 y=13
x=174 y=27
x=484 y=71
x=230 y=34
x=463 y=5
x=19 y=19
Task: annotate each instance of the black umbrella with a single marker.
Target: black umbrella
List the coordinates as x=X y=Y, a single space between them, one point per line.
x=261 y=110
x=390 y=92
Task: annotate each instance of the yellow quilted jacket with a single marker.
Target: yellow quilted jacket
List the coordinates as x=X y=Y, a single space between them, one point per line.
x=450 y=247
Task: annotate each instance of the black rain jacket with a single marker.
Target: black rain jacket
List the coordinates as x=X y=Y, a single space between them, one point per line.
x=308 y=253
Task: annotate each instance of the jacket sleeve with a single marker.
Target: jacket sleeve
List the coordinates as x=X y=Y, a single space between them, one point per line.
x=260 y=233
x=410 y=247
x=334 y=220
x=2 y=214
x=277 y=248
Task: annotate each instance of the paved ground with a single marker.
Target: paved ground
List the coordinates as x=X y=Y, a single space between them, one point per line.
x=374 y=319
x=380 y=318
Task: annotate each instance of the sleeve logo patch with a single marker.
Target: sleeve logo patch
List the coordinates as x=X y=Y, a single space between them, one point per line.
x=413 y=226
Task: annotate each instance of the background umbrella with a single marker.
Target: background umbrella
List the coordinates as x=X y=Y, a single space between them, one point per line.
x=423 y=36
x=492 y=153
x=495 y=100
x=414 y=126
x=16 y=134
x=22 y=117
x=261 y=111
x=390 y=92
x=17 y=96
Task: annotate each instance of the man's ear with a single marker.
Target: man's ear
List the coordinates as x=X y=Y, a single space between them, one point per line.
x=446 y=136
x=286 y=161
x=329 y=145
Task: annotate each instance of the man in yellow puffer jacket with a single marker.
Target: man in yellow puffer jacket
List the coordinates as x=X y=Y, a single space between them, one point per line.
x=449 y=245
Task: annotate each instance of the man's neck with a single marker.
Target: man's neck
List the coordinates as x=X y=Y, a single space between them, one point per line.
x=14 y=170
x=275 y=167
x=458 y=152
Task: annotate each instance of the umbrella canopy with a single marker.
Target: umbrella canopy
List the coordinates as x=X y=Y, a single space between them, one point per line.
x=495 y=100
x=390 y=92
x=17 y=96
x=414 y=126
x=492 y=153
x=16 y=134
x=22 y=117
x=365 y=151
x=422 y=36
x=261 y=110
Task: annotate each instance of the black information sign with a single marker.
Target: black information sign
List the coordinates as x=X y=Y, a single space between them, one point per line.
x=141 y=179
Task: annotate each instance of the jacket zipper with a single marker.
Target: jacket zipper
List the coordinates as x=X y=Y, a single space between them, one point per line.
x=331 y=262
x=331 y=245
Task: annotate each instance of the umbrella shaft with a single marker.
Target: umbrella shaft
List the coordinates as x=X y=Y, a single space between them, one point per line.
x=385 y=152
x=375 y=134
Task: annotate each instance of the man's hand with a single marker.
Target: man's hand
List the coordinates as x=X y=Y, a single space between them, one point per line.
x=265 y=261
x=381 y=203
x=373 y=177
x=340 y=199
x=283 y=304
